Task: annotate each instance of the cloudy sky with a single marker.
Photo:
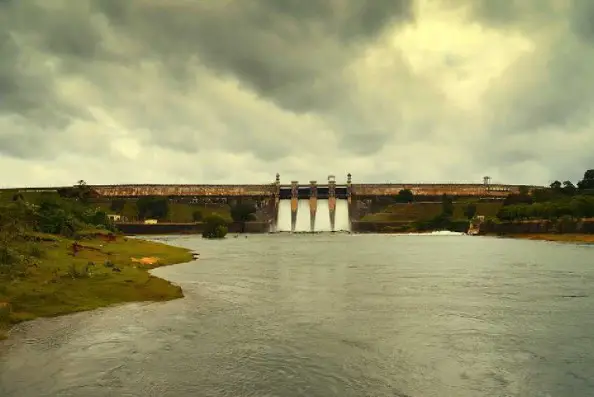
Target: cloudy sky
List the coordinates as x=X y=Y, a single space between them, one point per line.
x=233 y=91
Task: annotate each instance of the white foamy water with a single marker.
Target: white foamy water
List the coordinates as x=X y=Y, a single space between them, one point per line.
x=323 y=217
x=322 y=222
x=341 y=219
x=434 y=233
x=446 y=233
x=303 y=222
x=283 y=223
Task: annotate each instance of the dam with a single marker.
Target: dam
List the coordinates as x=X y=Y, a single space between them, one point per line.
x=329 y=206
x=312 y=208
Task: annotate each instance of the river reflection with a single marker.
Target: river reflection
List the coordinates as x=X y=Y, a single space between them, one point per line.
x=332 y=315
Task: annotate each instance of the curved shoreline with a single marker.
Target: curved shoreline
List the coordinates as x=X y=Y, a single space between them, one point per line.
x=64 y=283
x=561 y=237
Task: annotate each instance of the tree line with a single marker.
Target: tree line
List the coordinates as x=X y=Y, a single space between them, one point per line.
x=560 y=199
x=50 y=214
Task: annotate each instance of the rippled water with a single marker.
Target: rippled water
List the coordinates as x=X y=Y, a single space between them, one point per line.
x=332 y=315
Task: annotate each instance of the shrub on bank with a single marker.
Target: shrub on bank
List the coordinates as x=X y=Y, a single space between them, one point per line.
x=573 y=207
x=215 y=226
x=443 y=222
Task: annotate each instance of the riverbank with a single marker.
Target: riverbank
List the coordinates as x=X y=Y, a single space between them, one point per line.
x=565 y=238
x=98 y=272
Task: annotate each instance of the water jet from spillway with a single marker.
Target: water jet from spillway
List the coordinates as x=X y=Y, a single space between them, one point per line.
x=322 y=221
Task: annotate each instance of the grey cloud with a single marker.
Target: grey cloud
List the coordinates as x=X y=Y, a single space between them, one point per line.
x=512 y=14
x=582 y=20
x=291 y=53
x=285 y=50
x=560 y=96
x=270 y=77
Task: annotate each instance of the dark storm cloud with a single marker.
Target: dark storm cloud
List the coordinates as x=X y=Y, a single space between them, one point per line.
x=264 y=79
x=547 y=93
x=27 y=87
x=551 y=86
x=290 y=51
x=582 y=20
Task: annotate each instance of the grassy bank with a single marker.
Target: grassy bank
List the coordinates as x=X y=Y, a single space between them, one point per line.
x=61 y=281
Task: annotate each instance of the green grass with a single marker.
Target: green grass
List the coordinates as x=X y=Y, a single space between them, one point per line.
x=426 y=211
x=178 y=212
x=50 y=290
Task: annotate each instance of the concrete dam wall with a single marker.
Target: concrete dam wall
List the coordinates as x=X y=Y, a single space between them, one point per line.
x=270 y=190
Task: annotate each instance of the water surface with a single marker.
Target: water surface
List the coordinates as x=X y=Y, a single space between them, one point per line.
x=332 y=315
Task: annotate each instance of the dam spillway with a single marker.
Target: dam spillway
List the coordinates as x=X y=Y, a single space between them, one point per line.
x=303 y=217
x=312 y=210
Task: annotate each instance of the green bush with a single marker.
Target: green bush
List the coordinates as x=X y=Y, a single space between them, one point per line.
x=197 y=216
x=573 y=207
x=35 y=251
x=215 y=227
x=220 y=231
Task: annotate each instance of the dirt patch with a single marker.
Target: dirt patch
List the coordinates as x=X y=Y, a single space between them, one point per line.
x=567 y=238
x=147 y=260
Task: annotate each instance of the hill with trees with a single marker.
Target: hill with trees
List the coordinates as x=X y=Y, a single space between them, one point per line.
x=561 y=199
x=62 y=254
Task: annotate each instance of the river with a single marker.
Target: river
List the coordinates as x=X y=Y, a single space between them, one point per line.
x=331 y=315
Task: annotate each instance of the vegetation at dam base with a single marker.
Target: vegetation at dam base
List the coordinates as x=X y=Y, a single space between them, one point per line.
x=215 y=227
x=56 y=258
x=560 y=208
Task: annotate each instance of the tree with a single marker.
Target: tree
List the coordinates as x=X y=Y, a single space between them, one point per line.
x=515 y=199
x=117 y=205
x=243 y=212
x=542 y=195
x=556 y=186
x=16 y=220
x=405 y=196
x=18 y=197
x=57 y=218
x=152 y=207
x=569 y=188
x=197 y=216
x=470 y=210
x=587 y=183
x=215 y=227
x=82 y=191
x=447 y=205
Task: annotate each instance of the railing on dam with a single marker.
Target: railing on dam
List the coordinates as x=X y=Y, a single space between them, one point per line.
x=322 y=192
x=284 y=191
x=437 y=189
x=185 y=190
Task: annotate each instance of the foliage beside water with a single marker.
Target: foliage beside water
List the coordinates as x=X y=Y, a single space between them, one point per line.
x=215 y=227
x=559 y=201
x=162 y=209
x=62 y=255
x=446 y=220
